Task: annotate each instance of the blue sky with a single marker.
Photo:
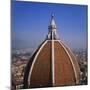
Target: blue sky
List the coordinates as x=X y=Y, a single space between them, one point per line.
x=30 y=22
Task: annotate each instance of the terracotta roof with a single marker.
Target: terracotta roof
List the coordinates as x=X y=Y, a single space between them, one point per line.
x=41 y=74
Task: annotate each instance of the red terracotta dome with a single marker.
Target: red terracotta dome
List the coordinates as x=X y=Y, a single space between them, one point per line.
x=52 y=64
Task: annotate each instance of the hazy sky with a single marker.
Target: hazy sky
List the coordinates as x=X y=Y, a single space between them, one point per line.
x=30 y=24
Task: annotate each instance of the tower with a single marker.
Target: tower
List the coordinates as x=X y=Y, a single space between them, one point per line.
x=52 y=64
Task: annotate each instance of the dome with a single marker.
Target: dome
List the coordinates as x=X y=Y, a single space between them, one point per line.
x=52 y=64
